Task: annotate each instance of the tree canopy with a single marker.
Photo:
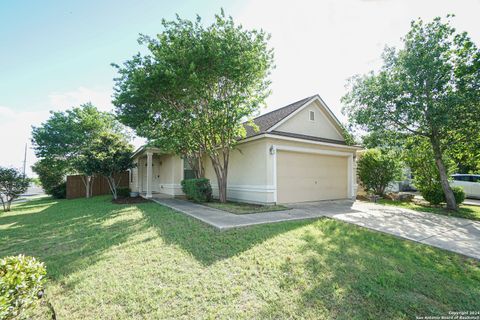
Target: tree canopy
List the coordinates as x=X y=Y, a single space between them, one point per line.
x=109 y=154
x=196 y=87
x=12 y=185
x=65 y=136
x=428 y=89
x=377 y=169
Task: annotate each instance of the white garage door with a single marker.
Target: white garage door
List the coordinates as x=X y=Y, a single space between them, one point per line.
x=311 y=177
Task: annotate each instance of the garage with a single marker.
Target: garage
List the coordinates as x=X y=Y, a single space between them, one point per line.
x=311 y=177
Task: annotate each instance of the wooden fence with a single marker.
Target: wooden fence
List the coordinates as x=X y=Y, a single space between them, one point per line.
x=76 y=187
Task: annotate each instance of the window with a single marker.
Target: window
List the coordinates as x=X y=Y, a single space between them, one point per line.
x=187 y=170
x=312 y=115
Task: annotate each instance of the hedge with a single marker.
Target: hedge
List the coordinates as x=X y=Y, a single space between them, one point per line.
x=198 y=190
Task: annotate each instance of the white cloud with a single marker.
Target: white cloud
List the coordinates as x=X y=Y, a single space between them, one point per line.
x=100 y=98
x=16 y=126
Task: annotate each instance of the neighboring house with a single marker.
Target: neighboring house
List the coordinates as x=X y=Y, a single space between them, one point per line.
x=298 y=154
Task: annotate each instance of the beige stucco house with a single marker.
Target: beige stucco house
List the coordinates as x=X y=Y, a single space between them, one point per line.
x=298 y=154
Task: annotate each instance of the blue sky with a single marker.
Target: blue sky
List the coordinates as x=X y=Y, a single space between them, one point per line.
x=54 y=46
x=57 y=54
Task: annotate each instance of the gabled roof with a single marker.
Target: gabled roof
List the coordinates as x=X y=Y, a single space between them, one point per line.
x=270 y=119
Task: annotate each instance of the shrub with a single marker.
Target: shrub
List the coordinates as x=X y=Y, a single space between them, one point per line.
x=435 y=195
x=123 y=192
x=376 y=169
x=51 y=174
x=198 y=190
x=459 y=194
x=22 y=281
x=12 y=185
x=59 y=191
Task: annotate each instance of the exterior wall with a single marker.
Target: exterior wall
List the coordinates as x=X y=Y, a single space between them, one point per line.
x=170 y=174
x=251 y=176
x=167 y=173
x=248 y=173
x=321 y=127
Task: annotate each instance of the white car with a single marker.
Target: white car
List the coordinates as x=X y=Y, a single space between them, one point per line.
x=469 y=182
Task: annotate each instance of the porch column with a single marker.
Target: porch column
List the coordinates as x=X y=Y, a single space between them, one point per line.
x=137 y=176
x=149 y=174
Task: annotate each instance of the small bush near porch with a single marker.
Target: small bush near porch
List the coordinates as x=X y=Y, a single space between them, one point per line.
x=198 y=190
x=145 y=261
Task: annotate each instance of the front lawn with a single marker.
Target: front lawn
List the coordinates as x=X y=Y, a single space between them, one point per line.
x=465 y=211
x=145 y=261
x=244 y=208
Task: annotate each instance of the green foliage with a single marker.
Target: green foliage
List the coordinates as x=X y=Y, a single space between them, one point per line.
x=107 y=155
x=291 y=265
x=459 y=194
x=12 y=185
x=123 y=192
x=418 y=155
x=427 y=89
x=348 y=136
x=435 y=196
x=59 y=191
x=22 y=281
x=377 y=169
x=198 y=190
x=51 y=174
x=195 y=88
x=64 y=137
x=65 y=134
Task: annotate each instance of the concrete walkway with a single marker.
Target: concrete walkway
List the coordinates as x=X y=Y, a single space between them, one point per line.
x=223 y=220
x=449 y=233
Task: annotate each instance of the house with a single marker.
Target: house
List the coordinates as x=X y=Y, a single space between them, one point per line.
x=298 y=154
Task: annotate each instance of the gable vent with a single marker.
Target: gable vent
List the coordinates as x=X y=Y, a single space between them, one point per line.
x=312 y=115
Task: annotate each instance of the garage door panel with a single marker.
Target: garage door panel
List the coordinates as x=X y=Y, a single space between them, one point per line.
x=310 y=177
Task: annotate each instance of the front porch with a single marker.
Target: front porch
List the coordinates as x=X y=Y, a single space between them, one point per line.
x=156 y=173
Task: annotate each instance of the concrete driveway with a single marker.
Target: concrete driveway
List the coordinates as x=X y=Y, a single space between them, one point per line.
x=449 y=233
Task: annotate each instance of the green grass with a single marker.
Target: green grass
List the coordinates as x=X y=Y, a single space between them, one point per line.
x=244 y=208
x=465 y=211
x=145 y=261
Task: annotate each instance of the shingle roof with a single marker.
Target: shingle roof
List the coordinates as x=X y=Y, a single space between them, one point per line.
x=305 y=137
x=268 y=120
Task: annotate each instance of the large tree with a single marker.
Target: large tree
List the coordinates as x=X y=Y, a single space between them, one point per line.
x=429 y=89
x=195 y=88
x=65 y=135
x=109 y=154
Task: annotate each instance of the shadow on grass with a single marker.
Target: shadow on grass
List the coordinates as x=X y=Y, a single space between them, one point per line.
x=206 y=244
x=65 y=234
x=350 y=272
x=72 y=234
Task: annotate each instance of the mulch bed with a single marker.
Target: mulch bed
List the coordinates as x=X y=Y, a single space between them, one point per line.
x=130 y=200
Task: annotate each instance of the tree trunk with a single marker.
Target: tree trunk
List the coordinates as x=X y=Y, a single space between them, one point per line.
x=196 y=164
x=113 y=186
x=221 y=172
x=200 y=168
x=447 y=190
x=88 y=182
x=6 y=203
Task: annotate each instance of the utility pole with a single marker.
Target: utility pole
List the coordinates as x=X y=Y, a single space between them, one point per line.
x=25 y=161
